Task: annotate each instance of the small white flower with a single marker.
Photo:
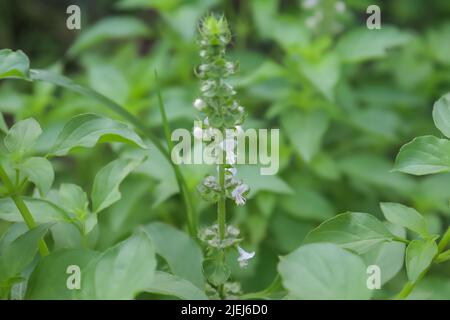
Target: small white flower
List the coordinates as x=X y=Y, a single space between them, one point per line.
x=206 y=121
x=238 y=192
x=244 y=256
x=198 y=133
x=202 y=53
x=340 y=6
x=229 y=66
x=207 y=85
x=228 y=145
x=232 y=170
x=199 y=104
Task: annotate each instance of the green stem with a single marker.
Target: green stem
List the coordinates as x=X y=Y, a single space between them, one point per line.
x=23 y=209
x=407 y=288
x=221 y=213
x=192 y=221
x=444 y=256
x=444 y=241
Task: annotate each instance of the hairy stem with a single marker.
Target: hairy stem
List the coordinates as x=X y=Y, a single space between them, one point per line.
x=192 y=220
x=221 y=214
x=23 y=209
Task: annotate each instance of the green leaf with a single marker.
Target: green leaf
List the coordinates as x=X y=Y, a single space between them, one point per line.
x=424 y=155
x=439 y=47
x=73 y=199
x=305 y=131
x=216 y=271
x=14 y=64
x=122 y=271
x=324 y=271
x=363 y=44
x=354 y=231
x=20 y=252
x=105 y=190
x=323 y=74
x=406 y=217
x=22 y=137
x=441 y=114
x=307 y=204
x=356 y=167
x=49 y=279
x=167 y=284
x=3 y=125
x=87 y=130
x=116 y=88
x=39 y=171
x=179 y=250
x=119 y=27
x=389 y=256
x=43 y=211
x=419 y=255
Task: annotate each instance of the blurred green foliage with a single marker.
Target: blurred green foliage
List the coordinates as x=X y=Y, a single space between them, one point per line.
x=344 y=97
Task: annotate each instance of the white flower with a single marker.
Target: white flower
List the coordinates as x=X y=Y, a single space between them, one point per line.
x=228 y=145
x=229 y=66
x=198 y=133
x=199 y=104
x=238 y=192
x=232 y=170
x=340 y=6
x=244 y=256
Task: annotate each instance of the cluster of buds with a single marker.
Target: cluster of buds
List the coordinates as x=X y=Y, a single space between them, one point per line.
x=235 y=189
x=217 y=96
x=222 y=113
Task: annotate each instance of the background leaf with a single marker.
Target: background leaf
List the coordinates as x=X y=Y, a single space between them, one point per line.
x=441 y=114
x=424 y=155
x=355 y=231
x=406 y=217
x=306 y=273
x=179 y=250
x=39 y=171
x=119 y=27
x=166 y=284
x=419 y=255
x=105 y=190
x=14 y=64
x=121 y=271
x=88 y=129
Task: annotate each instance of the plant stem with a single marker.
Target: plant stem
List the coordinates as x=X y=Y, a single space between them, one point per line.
x=444 y=241
x=192 y=220
x=444 y=256
x=407 y=288
x=440 y=257
x=23 y=209
x=221 y=213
